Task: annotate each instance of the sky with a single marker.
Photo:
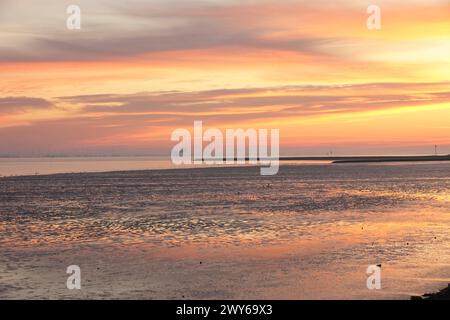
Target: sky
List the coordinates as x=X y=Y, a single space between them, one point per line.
x=137 y=70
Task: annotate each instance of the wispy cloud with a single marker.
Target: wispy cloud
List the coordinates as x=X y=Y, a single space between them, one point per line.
x=273 y=102
x=114 y=30
x=143 y=119
x=11 y=105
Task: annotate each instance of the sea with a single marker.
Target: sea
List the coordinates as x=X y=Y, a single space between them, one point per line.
x=138 y=228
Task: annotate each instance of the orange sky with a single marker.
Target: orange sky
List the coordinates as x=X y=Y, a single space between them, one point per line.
x=136 y=72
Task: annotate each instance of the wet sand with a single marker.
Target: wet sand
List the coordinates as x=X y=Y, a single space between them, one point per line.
x=308 y=233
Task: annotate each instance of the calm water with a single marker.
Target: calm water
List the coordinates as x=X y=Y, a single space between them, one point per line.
x=53 y=165
x=35 y=166
x=308 y=232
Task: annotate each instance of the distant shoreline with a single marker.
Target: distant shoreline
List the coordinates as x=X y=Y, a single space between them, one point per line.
x=47 y=166
x=365 y=159
x=331 y=159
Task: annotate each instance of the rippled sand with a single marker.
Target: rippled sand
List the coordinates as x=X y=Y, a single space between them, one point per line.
x=309 y=232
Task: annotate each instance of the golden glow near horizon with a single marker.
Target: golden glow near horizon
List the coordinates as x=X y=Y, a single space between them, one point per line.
x=134 y=73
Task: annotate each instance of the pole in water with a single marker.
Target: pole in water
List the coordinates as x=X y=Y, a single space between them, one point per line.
x=435 y=149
